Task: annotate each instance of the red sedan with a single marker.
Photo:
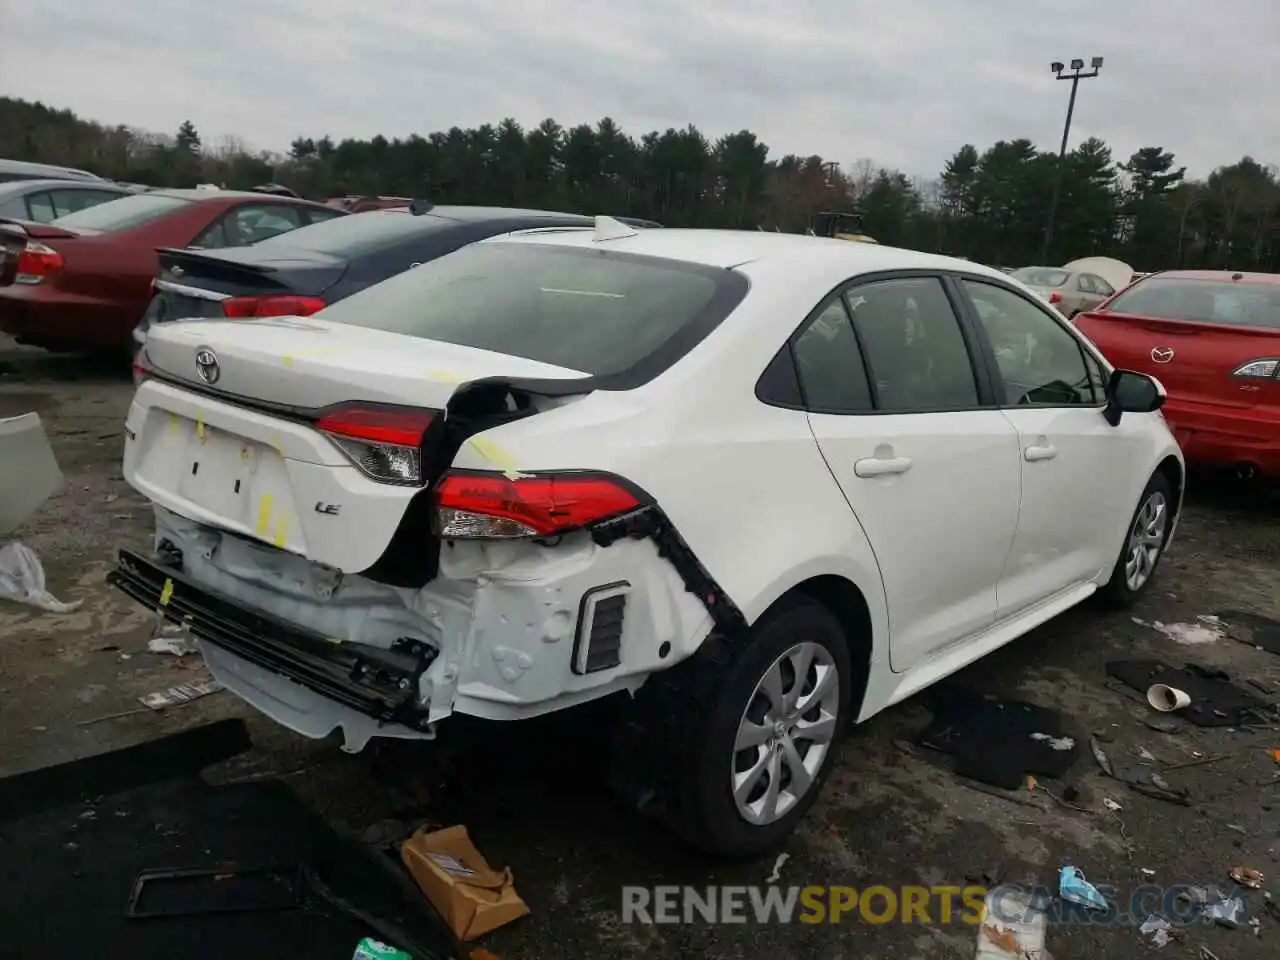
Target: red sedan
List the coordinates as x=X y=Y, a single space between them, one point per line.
x=1213 y=340
x=82 y=281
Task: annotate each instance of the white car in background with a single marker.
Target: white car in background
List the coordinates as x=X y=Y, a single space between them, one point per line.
x=768 y=484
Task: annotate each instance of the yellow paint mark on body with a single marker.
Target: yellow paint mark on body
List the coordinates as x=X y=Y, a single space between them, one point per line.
x=200 y=425
x=282 y=529
x=287 y=360
x=174 y=426
x=444 y=376
x=264 y=514
x=166 y=594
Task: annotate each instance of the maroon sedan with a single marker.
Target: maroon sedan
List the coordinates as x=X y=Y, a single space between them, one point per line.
x=82 y=281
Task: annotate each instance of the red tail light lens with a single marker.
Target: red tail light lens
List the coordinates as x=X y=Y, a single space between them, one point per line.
x=1055 y=297
x=246 y=308
x=385 y=444
x=37 y=262
x=489 y=506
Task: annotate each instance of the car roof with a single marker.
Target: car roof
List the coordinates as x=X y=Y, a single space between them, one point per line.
x=734 y=248
x=24 y=186
x=468 y=213
x=195 y=194
x=1222 y=276
x=48 y=169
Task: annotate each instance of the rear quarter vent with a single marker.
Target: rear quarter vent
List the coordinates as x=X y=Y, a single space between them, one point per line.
x=598 y=644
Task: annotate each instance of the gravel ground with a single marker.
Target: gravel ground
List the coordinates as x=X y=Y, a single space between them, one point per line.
x=532 y=794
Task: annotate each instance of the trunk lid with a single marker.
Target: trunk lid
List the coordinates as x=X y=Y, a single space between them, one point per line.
x=1194 y=361
x=194 y=284
x=311 y=363
x=246 y=454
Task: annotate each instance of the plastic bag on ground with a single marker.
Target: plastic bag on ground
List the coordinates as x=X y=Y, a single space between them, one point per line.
x=22 y=580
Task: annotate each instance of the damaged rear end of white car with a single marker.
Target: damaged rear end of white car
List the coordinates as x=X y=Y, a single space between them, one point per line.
x=429 y=498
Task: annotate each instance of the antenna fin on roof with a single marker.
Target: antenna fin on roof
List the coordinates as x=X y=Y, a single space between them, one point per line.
x=607 y=228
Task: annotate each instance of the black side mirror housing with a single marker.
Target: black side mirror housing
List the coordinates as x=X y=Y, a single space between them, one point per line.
x=1131 y=392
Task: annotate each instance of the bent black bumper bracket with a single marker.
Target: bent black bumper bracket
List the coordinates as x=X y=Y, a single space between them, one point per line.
x=382 y=684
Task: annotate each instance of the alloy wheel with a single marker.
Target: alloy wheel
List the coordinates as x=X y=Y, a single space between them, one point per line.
x=1146 y=540
x=785 y=733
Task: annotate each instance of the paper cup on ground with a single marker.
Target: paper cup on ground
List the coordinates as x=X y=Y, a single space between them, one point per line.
x=1166 y=699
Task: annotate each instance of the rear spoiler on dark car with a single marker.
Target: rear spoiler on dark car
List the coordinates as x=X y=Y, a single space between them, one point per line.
x=191 y=266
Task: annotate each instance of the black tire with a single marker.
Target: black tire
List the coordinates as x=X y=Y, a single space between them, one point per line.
x=1117 y=591
x=676 y=754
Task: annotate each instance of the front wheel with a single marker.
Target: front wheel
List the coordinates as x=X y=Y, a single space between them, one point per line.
x=1144 y=543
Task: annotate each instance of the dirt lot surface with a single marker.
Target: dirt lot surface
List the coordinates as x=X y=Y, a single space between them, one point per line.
x=533 y=795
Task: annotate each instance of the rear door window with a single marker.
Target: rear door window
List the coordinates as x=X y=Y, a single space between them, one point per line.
x=40 y=207
x=595 y=311
x=918 y=357
x=72 y=199
x=254 y=222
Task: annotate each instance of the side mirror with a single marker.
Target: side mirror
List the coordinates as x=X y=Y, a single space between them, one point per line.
x=1132 y=392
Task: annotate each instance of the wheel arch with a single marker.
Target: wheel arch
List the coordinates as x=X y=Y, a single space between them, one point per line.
x=1173 y=470
x=848 y=603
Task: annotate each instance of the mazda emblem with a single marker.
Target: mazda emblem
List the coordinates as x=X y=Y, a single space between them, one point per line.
x=207 y=365
x=1162 y=354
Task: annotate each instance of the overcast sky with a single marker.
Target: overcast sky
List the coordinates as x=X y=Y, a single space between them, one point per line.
x=904 y=84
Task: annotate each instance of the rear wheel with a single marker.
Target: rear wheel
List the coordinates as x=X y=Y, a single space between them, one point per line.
x=1143 y=544
x=746 y=730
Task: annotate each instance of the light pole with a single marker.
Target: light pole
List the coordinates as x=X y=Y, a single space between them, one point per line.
x=1075 y=76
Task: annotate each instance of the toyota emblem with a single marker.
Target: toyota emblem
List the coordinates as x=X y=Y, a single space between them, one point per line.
x=1162 y=354
x=207 y=365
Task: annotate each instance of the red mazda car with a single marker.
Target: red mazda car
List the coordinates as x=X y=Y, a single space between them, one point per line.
x=82 y=281
x=1213 y=340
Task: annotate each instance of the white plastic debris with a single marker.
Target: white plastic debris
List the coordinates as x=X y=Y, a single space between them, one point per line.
x=777 y=868
x=183 y=693
x=1208 y=630
x=1157 y=929
x=1055 y=743
x=29 y=473
x=22 y=580
x=173 y=640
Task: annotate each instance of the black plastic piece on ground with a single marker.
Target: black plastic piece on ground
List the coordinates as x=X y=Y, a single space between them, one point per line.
x=651 y=523
x=194 y=891
x=1215 y=700
x=177 y=755
x=382 y=684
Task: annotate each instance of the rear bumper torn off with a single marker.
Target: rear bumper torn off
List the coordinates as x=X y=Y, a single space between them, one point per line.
x=304 y=680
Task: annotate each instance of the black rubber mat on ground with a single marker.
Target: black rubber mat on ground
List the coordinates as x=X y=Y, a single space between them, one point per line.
x=67 y=874
x=1215 y=700
x=1263 y=631
x=997 y=740
x=180 y=754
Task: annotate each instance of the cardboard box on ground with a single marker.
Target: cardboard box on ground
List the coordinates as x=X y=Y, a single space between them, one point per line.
x=472 y=897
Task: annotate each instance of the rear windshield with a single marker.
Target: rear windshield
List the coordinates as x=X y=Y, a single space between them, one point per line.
x=1041 y=276
x=1203 y=301
x=123 y=214
x=596 y=311
x=358 y=233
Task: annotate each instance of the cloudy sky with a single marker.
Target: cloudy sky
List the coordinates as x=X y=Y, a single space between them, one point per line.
x=902 y=84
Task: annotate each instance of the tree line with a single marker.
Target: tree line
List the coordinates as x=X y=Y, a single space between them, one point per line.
x=988 y=205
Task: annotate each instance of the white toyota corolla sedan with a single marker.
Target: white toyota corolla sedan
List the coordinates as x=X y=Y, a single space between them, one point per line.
x=766 y=484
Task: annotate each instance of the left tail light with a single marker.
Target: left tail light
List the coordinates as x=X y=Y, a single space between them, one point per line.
x=384 y=443
x=1265 y=368
x=492 y=506
x=1055 y=297
x=37 y=262
x=246 y=308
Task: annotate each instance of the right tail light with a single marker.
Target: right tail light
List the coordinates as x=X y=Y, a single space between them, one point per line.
x=37 y=262
x=492 y=506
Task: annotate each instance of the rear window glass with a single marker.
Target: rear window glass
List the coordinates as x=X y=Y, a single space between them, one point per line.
x=123 y=214
x=589 y=310
x=1041 y=276
x=1203 y=301
x=359 y=233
